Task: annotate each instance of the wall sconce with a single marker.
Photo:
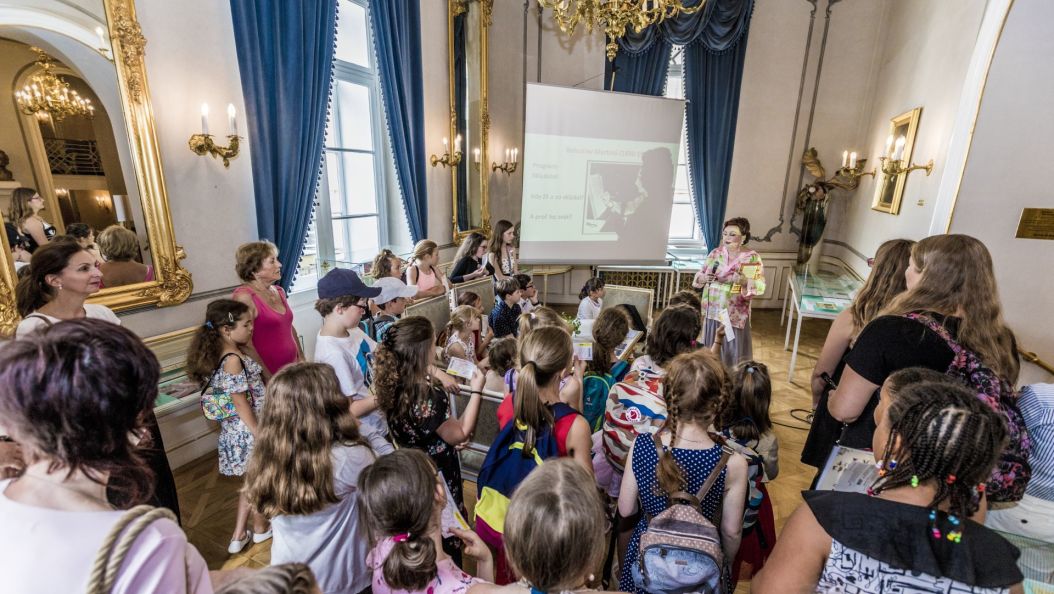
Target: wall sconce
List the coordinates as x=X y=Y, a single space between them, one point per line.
x=853 y=168
x=202 y=144
x=448 y=160
x=893 y=163
x=512 y=158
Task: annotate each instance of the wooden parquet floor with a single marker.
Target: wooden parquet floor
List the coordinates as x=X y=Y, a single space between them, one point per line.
x=208 y=501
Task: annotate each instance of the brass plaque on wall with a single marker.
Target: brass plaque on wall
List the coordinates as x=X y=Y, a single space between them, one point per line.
x=1036 y=223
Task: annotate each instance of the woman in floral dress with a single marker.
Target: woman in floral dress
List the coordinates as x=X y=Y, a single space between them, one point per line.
x=731 y=277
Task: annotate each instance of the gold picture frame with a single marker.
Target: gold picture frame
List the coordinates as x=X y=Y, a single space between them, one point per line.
x=172 y=283
x=482 y=13
x=889 y=190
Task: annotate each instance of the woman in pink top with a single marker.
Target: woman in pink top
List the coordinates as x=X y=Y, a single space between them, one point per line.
x=404 y=502
x=423 y=272
x=75 y=438
x=274 y=338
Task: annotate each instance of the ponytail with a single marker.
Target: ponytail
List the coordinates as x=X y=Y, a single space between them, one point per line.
x=594 y=284
x=544 y=354
x=609 y=330
x=411 y=564
x=747 y=417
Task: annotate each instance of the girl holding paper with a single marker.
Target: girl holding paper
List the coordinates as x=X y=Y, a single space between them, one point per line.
x=732 y=276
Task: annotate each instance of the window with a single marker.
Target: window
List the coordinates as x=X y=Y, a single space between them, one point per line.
x=350 y=223
x=684 y=228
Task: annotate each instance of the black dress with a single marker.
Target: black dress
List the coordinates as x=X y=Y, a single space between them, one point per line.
x=463 y=268
x=885 y=546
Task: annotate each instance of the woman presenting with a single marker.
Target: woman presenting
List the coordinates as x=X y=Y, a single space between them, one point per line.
x=732 y=276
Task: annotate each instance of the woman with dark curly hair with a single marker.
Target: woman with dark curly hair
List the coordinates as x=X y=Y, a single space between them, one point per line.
x=418 y=408
x=82 y=442
x=732 y=276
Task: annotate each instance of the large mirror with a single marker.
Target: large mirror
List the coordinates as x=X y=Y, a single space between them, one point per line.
x=468 y=22
x=79 y=151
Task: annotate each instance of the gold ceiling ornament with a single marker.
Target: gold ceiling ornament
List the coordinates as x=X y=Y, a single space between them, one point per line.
x=615 y=17
x=47 y=94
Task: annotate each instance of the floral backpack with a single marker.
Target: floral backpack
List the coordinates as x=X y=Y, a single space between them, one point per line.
x=1011 y=474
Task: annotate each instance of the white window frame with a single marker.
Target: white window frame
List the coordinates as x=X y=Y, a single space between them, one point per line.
x=322 y=221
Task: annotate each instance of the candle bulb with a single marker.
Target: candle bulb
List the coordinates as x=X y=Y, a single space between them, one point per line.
x=845 y=158
x=508 y=155
x=889 y=146
x=205 y=118
x=102 y=37
x=457 y=143
x=515 y=155
x=446 y=144
x=852 y=160
x=476 y=153
x=232 y=122
x=898 y=152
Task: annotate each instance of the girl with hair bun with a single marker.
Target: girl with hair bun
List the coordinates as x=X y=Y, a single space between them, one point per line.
x=936 y=444
x=402 y=505
x=423 y=272
x=682 y=455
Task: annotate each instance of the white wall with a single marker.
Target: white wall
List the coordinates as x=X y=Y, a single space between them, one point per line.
x=925 y=51
x=1005 y=172
x=191 y=59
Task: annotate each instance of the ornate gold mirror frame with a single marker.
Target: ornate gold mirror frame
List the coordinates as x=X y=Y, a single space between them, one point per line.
x=483 y=10
x=889 y=191
x=172 y=284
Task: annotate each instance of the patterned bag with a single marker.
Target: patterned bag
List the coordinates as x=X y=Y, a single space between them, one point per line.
x=1011 y=474
x=680 y=550
x=634 y=406
x=217 y=406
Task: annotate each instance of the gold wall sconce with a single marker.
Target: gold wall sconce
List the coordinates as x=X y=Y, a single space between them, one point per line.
x=448 y=159
x=853 y=168
x=512 y=159
x=202 y=144
x=893 y=163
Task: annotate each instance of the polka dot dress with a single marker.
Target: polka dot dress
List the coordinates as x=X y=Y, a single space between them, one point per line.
x=696 y=465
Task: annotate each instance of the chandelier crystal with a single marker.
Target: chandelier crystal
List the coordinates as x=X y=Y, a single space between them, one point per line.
x=614 y=17
x=48 y=95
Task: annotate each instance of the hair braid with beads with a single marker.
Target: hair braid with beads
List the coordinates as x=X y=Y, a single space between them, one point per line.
x=943 y=433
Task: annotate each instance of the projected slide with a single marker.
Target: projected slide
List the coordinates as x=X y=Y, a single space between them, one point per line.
x=598 y=173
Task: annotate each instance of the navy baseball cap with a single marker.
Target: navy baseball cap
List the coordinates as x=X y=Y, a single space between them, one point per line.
x=341 y=281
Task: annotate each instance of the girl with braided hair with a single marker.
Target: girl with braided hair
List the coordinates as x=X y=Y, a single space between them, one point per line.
x=696 y=389
x=937 y=444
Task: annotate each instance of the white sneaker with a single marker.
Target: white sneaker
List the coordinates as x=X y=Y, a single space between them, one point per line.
x=262 y=537
x=237 y=545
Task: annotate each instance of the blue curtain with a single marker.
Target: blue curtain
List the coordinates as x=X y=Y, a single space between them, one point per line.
x=716 y=43
x=285 y=55
x=397 y=37
x=643 y=73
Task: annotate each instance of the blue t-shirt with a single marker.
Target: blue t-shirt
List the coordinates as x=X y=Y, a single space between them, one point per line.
x=504 y=319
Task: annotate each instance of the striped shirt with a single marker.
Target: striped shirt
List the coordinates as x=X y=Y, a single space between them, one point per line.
x=1037 y=407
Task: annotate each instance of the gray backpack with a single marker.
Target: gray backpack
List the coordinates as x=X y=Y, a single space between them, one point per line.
x=680 y=550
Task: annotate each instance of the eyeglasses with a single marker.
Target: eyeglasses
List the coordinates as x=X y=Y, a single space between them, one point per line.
x=364 y=307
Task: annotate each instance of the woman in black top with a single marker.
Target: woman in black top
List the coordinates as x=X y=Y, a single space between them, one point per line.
x=949 y=280
x=937 y=444
x=468 y=262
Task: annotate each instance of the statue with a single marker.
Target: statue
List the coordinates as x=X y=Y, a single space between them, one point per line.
x=5 y=173
x=813 y=199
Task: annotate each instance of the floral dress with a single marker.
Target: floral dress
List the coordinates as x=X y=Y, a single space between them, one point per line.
x=236 y=441
x=723 y=293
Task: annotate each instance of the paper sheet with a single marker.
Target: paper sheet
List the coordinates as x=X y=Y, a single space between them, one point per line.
x=848 y=469
x=451 y=517
x=584 y=351
x=461 y=368
x=726 y=321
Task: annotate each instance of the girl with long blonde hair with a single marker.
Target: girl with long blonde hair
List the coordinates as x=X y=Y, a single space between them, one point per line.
x=423 y=272
x=681 y=456
x=307 y=460
x=460 y=333
x=951 y=288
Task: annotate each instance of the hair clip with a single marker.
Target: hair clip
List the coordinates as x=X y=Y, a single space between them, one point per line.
x=914 y=481
x=751 y=369
x=955 y=536
x=694 y=343
x=230 y=317
x=405 y=536
x=870 y=492
x=950 y=479
x=892 y=464
x=980 y=488
x=954 y=520
x=882 y=472
x=209 y=325
x=933 y=525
